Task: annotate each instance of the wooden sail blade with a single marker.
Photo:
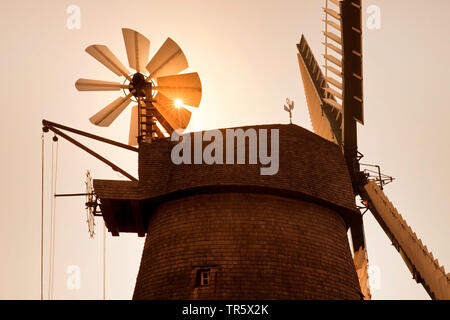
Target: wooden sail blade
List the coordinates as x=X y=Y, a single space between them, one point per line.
x=325 y=118
x=134 y=127
x=319 y=122
x=107 y=115
x=163 y=122
x=177 y=117
x=97 y=85
x=138 y=49
x=169 y=60
x=184 y=87
x=108 y=59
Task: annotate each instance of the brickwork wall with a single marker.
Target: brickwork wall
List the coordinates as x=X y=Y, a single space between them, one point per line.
x=257 y=247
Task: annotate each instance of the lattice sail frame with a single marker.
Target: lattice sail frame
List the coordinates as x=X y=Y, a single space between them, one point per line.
x=335 y=99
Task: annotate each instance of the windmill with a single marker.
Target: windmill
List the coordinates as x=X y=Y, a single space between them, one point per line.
x=335 y=103
x=163 y=96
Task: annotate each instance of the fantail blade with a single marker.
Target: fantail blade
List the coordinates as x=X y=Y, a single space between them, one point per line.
x=107 y=115
x=98 y=85
x=138 y=48
x=134 y=130
x=169 y=60
x=108 y=59
x=184 y=87
x=177 y=117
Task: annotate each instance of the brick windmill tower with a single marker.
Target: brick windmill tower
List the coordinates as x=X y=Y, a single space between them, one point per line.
x=224 y=231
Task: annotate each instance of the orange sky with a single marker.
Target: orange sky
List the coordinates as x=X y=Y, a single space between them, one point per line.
x=245 y=54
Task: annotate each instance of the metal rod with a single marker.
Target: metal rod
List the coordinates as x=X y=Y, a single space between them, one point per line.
x=49 y=124
x=379 y=176
x=42 y=220
x=71 y=195
x=104 y=261
x=91 y=152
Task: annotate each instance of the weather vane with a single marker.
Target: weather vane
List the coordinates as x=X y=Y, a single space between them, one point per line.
x=289 y=107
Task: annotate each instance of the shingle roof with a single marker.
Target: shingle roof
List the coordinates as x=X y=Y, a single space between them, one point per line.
x=309 y=167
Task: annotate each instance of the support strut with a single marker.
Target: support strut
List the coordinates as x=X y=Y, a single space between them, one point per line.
x=50 y=126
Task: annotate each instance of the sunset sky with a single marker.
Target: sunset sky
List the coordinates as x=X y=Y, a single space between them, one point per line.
x=245 y=53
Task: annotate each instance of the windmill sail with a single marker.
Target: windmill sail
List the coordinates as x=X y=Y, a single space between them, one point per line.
x=423 y=266
x=335 y=99
x=326 y=117
x=335 y=103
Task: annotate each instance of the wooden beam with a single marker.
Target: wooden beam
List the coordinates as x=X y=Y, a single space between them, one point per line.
x=334 y=82
x=333 y=37
x=333 y=59
x=333 y=47
x=332 y=13
x=333 y=92
x=91 y=152
x=333 y=24
x=49 y=124
x=109 y=217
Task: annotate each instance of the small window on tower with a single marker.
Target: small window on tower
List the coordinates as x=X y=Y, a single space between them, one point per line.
x=204 y=277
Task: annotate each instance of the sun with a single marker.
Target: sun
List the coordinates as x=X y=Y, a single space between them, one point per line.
x=178 y=103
